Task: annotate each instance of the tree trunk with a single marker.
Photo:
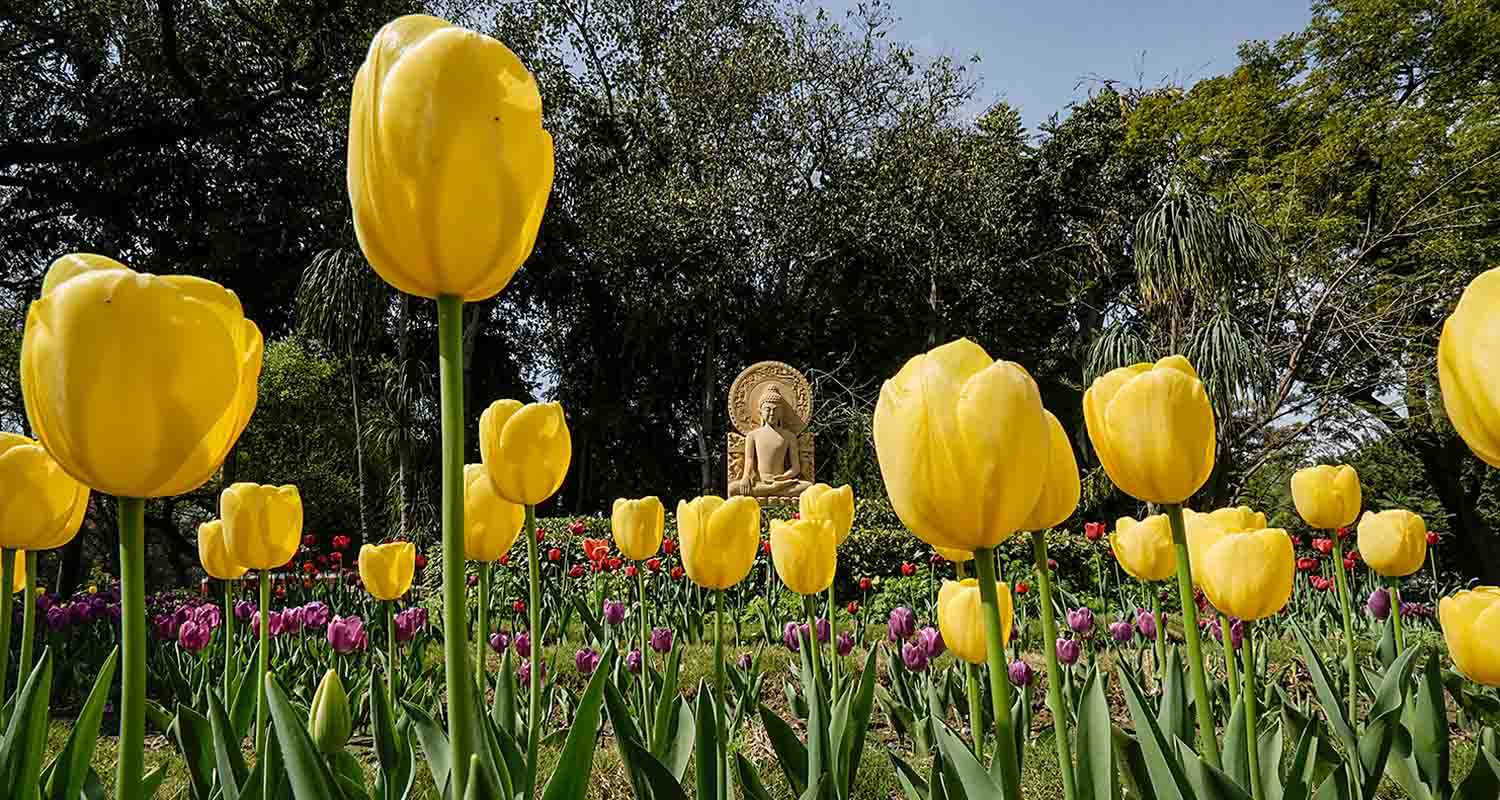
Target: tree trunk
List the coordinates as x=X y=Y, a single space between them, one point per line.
x=359 y=448
x=1443 y=457
x=706 y=476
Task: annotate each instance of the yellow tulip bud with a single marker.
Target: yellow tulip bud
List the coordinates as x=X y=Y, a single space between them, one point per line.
x=955 y=555
x=1249 y=574
x=1061 y=489
x=1393 y=543
x=18 y=584
x=719 y=539
x=821 y=501
x=213 y=552
x=449 y=166
x=1153 y=429
x=526 y=449
x=637 y=526
x=963 y=445
x=491 y=523
x=41 y=506
x=262 y=524
x=1145 y=548
x=1466 y=367
x=1327 y=497
x=387 y=569
x=805 y=553
x=1470 y=620
x=961 y=618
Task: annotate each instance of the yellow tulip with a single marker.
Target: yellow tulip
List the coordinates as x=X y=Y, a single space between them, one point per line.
x=1393 y=543
x=1145 y=548
x=955 y=555
x=526 y=449
x=637 y=526
x=963 y=446
x=719 y=539
x=1061 y=489
x=18 y=584
x=213 y=552
x=961 y=618
x=137 y=385
x=1249 y=574
x=449 y=167
x=1327 y=497
x=41 y=506
x=1470 y=620
x=821 y=501
x=805 y=553
x=491 y=523
x=387 y=569
x=1205 y=530
x=262 y=524
x=1153 y=429
x=1467 y=368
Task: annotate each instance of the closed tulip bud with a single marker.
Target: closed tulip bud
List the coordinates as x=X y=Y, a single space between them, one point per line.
x=1394 y=543
x=137 y=385
x=1379 y=604
x=42 y=506
x=637 y=526
x=821 y=501
x=1122 y=632
x=963 y=444
x=387 y=569
x=1068 y=651
x=791 y=636
x=914 y=656
x=1145 y=548
x=902 y=624
x=1061 y=489
x=1327 y=497
x=805 y=553
x=526 y=448
x=1249 y=575
x=449 y=168
x=1153 y=429
x=719 y=539
x=1081 y=620
x=262 y=524
x=213 y=552
x=1470 y=620
x=1466 y=371
x=491 y=523
x=329 y=721
x=1020 y=673
x=961 y=619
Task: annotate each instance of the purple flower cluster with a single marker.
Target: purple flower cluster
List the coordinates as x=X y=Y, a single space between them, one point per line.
x=81 y=609
x=927 y=645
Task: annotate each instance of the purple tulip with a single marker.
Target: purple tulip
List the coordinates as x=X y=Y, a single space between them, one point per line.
x=745 y=661
x=914 y=656
x=409 y=622
x=1081 y=620
x=58 y=618
x=633 y=662
x=291 y=621
x=936 y=560
x=1122 y=632
x=208 y=615
x=931 y=641
x=346 y=634
x=845 y=643
x=822 y=627
x=164 y=627
x=78 y=612
x=193 y=636
x=614 y=612
x=586 y=660
x=316 y=614
x=45 y=602
x=1237 y=633
x=1145 y=622
x=791 y=636
x=244 y=610
x=661 y=640
x=523 y=672
x=498 y=641
x=1379 y=604
x=1068 y=651
x=902 y=624
x=112 y=611
x=523 y=644
x=1020 y=673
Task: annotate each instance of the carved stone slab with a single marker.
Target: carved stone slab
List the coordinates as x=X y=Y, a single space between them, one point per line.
x=754 y=380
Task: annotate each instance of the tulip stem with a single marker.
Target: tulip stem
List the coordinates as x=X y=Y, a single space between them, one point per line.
x=971 y=685
x=1344 y=603
x=131 y=766
x=1395 y=591
x=1230 y=671
x=833 y=644
x=482 y=640
x=28 y=619
x=228 y=643
x=1160 y=640
x=1005 y=744
x=721 y=735
x=1252 y=742
x=461 y=723
x=534 y=633
x=1054 y=673
x=640 y=588
x=1208 y=743
x=390 y=651
x=7 y=583
x=264 y=666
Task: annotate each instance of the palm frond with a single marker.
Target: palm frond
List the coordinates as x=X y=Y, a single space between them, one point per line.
x=1116 y=346
x=1230 y=360
x=341 y=301
x=1188 y=243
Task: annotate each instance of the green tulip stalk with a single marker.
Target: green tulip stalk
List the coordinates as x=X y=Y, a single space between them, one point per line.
x=1252 y=747
x=1005 y=744
x=461 y=706
x=28 y=615
x=1208 y=743
x=7 y=587
x=1055 y=704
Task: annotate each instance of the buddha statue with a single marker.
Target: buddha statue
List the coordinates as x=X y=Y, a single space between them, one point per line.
x=773 y=463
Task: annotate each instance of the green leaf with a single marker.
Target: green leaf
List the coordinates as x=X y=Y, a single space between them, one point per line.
x=242 y=714
x=1161 y=756
x=707 y=754
x=679 y=750
x=193 y=736
x=790 y=751
x=1335 y=786
x=1483 y=781
x=1328 y=697
x=504 y=709
x=960 y=762
x=435 y=746
x=26 y=736
x=750 y=781
x=229 y=760
x=570 y=779
x=1172 y=713
x=1429 y=728
x=852 y=744
x=153 y=780
x=72 y=764
x=310 y=778
x=1401 y=766
x=665 y=703
x=1095 y=771
x=912 y=784
x=648 y=776
x=818 y=756
x=1236 y=752
x=1135 y=778
x=1271 y=744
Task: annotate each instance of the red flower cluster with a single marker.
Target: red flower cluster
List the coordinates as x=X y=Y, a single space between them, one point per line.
x=309 y=540
x=1093 y=531
x=765 y=546
x=519 y=606
x=1432 y=537
x=1022 y=588
x=578 y=528
x=421 y=561
x=577 y=571
x=630 y=570
x=1344 y=533
x=596 y=549
x=554 y=554
x=653 y=564
x=505 y=559
x=1324 y=546
x=1322 y=584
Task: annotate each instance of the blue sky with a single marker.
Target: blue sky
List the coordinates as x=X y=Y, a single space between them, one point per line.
x=1042 y=54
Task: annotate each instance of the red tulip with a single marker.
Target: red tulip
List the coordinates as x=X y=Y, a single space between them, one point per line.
x=307 y=583
x=280 y=592
x=614 y=564
x=596 y=549
x=519 y=606
x=336 y=558
x=1324 y=546
x=1350 y=561
x=1432 y=537
x=765 y=546
x=578 y=527
x=630 y=570
x=341 y=542
x=676 y=573
x=865 y=584
x=420 y=560
x=1296 y=540
x=1344 y=533
x=668 y=546
x=853 y=607
x=473 y=580
x=1052 y=565
x=309 y=540
x=1093 y=531
x=796 y=515
x=505 y=559
x=1307 y=564
x=309 y=567
x=1022 y=588
x=541 y=533
x=908 y=568
x=554 y=554
x=576 y=571
x=653 y=564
